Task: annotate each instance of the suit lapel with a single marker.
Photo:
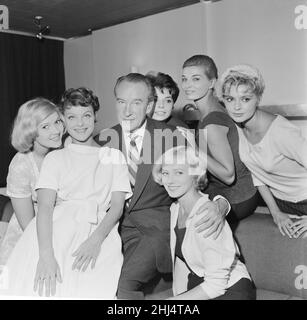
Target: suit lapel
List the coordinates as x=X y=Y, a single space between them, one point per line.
x=119 y=142
x=122 y=143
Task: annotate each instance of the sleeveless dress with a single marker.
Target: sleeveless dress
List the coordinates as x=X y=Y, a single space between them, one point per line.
x=84 y=178
x=22 y=177
x=241 y=194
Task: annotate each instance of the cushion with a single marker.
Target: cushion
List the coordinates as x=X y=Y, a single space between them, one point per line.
x=272 y=295
x=272 y=259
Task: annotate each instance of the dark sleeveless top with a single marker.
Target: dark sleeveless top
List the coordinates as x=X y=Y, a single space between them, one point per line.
x=193 y=279
x=173 y=121
x=242 y=188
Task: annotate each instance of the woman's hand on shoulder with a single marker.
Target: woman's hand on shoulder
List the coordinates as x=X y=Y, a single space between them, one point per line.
x=47 y=274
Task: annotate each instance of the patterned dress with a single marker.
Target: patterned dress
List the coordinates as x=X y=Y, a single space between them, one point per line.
x=22 y=177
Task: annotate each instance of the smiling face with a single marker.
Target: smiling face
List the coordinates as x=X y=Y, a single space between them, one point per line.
x=132 y=104
x=80 y=122
x=49 y=132
x=177 y=180
x=164 y=104
x=240 y=102
x=195 y=83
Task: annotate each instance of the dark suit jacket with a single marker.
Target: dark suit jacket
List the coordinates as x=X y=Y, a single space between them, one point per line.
x=148 y=210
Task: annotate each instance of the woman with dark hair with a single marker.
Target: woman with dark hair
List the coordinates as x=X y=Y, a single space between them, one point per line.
x=81 y=193
x=167 y=92
x=227 y=175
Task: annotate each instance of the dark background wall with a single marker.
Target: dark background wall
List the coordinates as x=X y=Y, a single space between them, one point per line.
x=28 y=68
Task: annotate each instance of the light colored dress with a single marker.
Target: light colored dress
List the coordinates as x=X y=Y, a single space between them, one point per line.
x=21 y=180
x=84 y=178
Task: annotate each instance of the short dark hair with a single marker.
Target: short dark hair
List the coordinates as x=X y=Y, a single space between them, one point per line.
x=164 y=81
x=201 y=60
x=137 y=78
x=79 y=97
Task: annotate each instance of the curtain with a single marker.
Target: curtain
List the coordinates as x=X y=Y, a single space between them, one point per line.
x=28 y=68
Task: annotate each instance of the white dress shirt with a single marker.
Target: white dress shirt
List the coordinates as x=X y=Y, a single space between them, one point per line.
x=140 y=132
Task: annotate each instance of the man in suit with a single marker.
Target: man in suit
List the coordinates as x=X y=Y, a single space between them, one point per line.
x=145 y=227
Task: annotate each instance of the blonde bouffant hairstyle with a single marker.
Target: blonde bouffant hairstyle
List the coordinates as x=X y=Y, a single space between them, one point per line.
x=193 y=157
x=242 y=74
x=29 y=116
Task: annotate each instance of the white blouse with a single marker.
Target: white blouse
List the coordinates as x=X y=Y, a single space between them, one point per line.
x=217 y=260
x=279 y=160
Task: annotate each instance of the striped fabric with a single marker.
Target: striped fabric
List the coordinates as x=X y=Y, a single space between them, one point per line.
x=133 y=158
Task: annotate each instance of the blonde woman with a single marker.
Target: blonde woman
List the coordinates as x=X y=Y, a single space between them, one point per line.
x=272 y=148
x=203 y=268
x=37 y=129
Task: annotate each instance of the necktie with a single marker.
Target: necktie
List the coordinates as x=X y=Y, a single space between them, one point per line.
x=133 y=158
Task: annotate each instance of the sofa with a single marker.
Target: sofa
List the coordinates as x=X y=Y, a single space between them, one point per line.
x=277 y=264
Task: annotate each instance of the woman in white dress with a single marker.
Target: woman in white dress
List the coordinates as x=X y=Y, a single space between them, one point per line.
x=76 y=251
x=37 y=129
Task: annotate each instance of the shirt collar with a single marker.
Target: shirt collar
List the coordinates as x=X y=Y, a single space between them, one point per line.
x=139 y=132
